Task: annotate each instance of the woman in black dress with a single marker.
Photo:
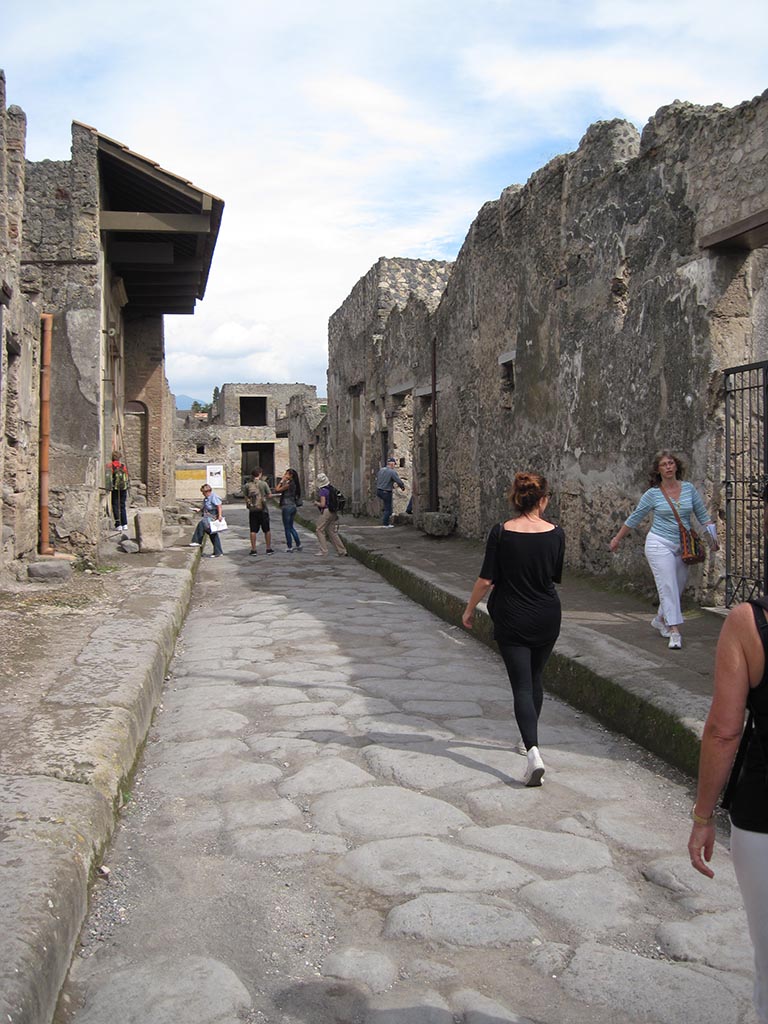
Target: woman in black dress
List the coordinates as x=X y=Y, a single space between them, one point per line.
x=523 y=561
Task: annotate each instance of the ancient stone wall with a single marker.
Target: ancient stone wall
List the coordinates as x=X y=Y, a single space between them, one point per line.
x=614 y=324
x=582 y=328
x=63 y=272
x=368 y=417
x=19 y=356
x=307 y=438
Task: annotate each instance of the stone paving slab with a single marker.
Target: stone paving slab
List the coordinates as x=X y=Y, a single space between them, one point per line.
x=83 y=732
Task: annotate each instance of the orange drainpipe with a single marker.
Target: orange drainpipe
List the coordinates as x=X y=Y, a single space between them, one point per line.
x=46 y=320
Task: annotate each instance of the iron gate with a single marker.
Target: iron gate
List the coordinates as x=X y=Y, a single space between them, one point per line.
x=746 y=475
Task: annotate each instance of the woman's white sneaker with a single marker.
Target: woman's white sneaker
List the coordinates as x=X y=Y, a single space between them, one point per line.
x=659 y=624
x=675 y=642
x=535 y=770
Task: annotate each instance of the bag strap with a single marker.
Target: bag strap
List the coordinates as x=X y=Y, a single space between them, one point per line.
x=672 y=506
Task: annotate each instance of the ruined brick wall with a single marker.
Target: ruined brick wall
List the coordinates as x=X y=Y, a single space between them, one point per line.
x=19 y=356
x=365 y=421
x=145 y=383
x=62 y=272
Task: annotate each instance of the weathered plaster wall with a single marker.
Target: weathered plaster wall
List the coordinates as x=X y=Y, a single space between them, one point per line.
x=62 y=270
x=19 y=355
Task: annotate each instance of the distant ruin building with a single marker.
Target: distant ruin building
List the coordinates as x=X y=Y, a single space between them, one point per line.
x=93 y=252
x=247 y=427
x=585 y=324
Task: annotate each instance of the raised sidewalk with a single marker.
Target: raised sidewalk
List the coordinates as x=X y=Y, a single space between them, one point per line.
x=78 y=697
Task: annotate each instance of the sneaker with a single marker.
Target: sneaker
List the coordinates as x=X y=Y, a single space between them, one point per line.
x=193 y=544
x=298 y=547
x=535 y=770
x=659 y=624
x=289 y=551
x=253 y=552
x=675 y=642
x=270 y=551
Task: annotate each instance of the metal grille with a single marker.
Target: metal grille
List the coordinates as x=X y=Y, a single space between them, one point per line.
x=746 y=454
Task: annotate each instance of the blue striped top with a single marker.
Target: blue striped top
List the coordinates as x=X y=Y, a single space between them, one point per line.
x=664 y=521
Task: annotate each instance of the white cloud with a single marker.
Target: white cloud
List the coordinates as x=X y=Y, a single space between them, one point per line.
x=344 y=131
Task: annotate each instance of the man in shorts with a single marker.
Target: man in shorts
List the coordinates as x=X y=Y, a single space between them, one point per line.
x=257 y=493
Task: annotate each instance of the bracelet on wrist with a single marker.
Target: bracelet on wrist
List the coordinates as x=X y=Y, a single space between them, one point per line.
x=698 y=819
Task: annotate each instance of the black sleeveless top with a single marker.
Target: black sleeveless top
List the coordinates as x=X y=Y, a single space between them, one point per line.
x=749 y=804
x=524 y=567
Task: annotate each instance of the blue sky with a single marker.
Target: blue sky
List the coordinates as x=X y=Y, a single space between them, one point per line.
x=338 y=132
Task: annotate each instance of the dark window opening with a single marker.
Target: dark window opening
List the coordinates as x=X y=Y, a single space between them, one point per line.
x=253 y=412
x=200 y=449
x=507 y=378
x=262 y=455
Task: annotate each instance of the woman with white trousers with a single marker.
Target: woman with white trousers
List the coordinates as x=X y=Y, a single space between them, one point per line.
x=662 y=544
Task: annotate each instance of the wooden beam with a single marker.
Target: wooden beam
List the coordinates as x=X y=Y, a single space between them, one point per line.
x=140 y=252
x=157 y=273
x=162 y=305
x=177 y=223
x=161 y=280
x=750 y=233
x=157 y=290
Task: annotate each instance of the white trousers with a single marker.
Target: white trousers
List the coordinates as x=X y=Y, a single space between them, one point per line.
x=670 y=574
x=749 y=853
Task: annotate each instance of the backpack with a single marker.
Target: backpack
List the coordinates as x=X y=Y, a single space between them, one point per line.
x=254 y=496
x=336 y=500
x=119 y=477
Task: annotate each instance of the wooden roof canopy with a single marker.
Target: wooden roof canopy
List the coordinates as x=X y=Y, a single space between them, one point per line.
x=159 y=231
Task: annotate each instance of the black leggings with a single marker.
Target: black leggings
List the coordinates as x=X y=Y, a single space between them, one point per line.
x=525 y=666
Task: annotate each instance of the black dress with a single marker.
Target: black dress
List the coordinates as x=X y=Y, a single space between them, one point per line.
x=749 y=805
x=524 y=567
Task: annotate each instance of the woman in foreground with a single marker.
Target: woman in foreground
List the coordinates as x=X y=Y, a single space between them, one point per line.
x=741 y=682
x=523 y=561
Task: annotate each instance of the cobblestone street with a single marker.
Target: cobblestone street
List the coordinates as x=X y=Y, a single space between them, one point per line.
x=329 y=825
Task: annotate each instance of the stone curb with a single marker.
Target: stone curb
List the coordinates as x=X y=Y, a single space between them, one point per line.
x=661 y=718
x=58 y=809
